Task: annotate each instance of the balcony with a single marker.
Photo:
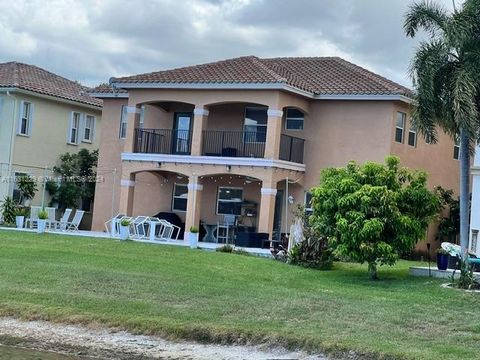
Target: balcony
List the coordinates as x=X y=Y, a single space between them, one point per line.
x=220 y=143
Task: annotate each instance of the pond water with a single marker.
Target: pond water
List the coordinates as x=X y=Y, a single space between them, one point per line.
x=9 y=352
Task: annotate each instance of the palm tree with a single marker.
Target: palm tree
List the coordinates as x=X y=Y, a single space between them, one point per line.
x=446 y=77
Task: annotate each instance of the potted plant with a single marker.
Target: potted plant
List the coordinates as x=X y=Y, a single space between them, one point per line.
x=442 y=259
x=193 y=237
x=42 y=221
x=20 y=215
x=125 y=229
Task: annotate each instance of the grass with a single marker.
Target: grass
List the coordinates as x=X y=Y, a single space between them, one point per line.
x=221 y=297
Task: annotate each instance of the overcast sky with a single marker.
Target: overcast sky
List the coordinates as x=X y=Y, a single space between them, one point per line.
x=93 y=40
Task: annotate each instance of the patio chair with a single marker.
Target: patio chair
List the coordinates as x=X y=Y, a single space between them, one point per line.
x=226 y=230
x=62 y=223
x=51 y=211
x=31 y=222
x=113 y=225
x=77 y=219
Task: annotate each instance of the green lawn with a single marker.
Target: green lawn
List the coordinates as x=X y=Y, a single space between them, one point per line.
x=210 y=296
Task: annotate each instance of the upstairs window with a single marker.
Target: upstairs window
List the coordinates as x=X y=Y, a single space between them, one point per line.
x=25 y=123
x=412 y=136
x=89 y=128
x=255 y=127
x=294 y=119
x=456 y=149
x=400 y=127
x=123 y=123
x=308 y=203
x=74 y=127
x=229 y=201
x=180 y=193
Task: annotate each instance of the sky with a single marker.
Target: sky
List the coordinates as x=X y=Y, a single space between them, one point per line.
x=93 y=40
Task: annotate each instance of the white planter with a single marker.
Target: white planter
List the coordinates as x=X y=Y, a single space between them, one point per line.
x=41 y=224
x=124 y=232
x=193 y=240
x=19 y=221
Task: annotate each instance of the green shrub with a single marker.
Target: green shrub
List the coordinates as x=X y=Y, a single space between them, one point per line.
x=43 y=215
x=9 y=210
x=125 y=222
x=22 y=211
x=225 y=248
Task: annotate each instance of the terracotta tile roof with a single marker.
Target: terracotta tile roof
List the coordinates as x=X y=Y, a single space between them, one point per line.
x=316 y=75
x=106 y=89
x=33 y=78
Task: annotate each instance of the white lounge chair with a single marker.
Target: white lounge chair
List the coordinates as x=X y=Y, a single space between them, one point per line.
x=75 y=223
x=32 y=221
x=62 y=223
x=51 y=216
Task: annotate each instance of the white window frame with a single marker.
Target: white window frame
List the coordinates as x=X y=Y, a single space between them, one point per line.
x=72 y=127
x=91 y=128
x=308 y=210
x=413 y=131
x=257 y=126
x=294 y=118
x=456 y=148
x=141 y=119
x=122 y=132
x=28 y=118
x=404 y=120
x=178 y=197
x=228 y=201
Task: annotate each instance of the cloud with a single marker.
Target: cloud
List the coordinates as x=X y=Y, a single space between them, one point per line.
x=92 y=40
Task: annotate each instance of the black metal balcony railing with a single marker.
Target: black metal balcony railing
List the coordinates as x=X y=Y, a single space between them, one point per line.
x=216 y=143
x=163 y=141
x=291 y=148
x=233 y=143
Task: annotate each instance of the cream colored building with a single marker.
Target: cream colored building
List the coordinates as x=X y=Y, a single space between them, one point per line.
x=249 y=137
x=42 y=116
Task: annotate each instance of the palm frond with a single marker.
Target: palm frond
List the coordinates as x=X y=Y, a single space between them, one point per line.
x=429 y=15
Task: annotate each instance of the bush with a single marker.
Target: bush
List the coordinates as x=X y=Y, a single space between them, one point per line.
x=225 y=248
x=374 y=212
x=9 y=210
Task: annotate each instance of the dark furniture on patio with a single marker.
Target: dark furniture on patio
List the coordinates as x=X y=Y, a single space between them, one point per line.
x=251 y=239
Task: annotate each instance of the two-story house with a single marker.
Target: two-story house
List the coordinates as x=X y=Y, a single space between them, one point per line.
x=249 y=136
x=42 y=115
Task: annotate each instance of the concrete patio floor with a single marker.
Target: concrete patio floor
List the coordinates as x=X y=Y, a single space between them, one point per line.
x=105 y=235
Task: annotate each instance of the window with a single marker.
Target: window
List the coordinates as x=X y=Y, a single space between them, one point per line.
x=74 y=126
x=89 y=128
x=229 y=201
x=255 y=127
x=412 y=136
x=456 y=150
x=294 y=119
x=25 y=123
x=180 y=193
x=308 y=203
x=123 y=122
x=400 y=126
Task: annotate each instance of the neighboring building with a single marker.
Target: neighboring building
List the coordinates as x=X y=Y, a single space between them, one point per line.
x=42 y=115
x=230 y=137
x=474 y=238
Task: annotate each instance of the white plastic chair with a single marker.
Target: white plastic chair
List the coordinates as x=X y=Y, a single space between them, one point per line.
x=77 y=219
x=51 y=211
x=62 y=223
x=32 y=220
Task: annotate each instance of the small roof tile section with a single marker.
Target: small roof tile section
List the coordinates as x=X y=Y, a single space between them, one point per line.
x=106 y=89
x=316 y=75
x=35 y=79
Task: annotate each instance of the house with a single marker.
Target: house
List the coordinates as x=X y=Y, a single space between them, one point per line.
x=249 y=136
x=42 y=115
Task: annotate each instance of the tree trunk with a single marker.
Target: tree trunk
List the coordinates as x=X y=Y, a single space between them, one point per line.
x=464 y=190
x=372 y=270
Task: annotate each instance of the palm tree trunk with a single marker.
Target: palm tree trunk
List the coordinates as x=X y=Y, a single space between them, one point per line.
x=464 y=190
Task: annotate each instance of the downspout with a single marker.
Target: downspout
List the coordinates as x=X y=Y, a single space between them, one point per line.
x=12 y=134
